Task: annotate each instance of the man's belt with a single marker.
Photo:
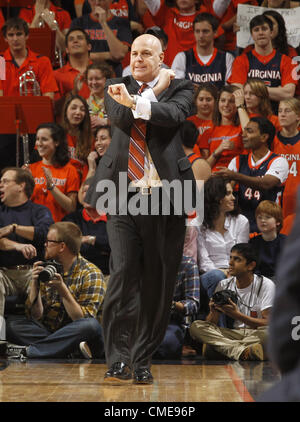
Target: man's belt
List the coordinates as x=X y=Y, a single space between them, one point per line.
x=145 y=190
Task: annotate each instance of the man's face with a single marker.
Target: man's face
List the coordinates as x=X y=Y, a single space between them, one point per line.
x=262 y=35
x=275 y=4
x=204 y=34
x=186 y=5
x=52 y=245
x=9 y=189
x=16 y=39
x=146 y=58
x=238 y=264
x=252 y=138
x=77 y=43
x=105 y=4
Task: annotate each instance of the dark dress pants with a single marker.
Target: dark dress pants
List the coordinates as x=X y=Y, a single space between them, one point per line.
x=146 y=252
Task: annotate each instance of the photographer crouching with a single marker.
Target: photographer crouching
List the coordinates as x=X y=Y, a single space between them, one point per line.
x=246 y=300
x=64 y=302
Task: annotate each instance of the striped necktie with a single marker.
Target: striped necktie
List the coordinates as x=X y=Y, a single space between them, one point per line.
x=136 y=157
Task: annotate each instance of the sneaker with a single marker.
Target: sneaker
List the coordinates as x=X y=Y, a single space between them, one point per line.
x=85 y=350
x=16 y=352
x=254 y=352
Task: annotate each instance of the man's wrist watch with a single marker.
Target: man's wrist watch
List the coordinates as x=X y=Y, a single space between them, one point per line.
x=50 y=187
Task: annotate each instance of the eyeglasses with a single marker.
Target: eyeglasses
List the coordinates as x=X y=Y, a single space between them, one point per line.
x=52 y=241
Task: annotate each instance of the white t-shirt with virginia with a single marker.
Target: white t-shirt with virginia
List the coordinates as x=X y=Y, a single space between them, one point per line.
x=252 y=300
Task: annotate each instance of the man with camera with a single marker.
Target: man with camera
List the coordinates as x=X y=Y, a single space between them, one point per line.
x=24 y=226
x=64 y=302
x=246 y=300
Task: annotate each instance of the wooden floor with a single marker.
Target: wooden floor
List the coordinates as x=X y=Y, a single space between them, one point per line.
x=182 y=381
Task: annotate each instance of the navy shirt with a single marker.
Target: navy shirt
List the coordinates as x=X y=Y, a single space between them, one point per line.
x=268 y=253
x=28 y=214
x=119 y=26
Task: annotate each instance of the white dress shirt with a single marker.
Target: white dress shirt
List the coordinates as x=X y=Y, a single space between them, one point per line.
x=214 y=248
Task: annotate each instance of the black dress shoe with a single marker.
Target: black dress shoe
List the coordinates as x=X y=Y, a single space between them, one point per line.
x=142 y=376
x=119 y=373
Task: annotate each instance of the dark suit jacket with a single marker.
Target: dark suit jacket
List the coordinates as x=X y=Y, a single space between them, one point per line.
x=283 y=349
x=162 y=135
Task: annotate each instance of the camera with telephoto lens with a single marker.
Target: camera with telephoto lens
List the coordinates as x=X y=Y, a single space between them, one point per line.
x=50 y=268
x=222 y=297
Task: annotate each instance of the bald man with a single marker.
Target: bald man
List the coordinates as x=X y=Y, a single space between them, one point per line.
x=146 y=250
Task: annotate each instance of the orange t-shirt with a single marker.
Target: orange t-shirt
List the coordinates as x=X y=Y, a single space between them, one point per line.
x=288 y=224
x=65 y=178
x=292 y=154
x=65 y=77
x=212 y=138
x=40 y=65
x=202 y=125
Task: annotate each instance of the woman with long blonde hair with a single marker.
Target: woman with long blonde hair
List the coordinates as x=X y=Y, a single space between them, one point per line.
x=253 y=101
x=287 y=144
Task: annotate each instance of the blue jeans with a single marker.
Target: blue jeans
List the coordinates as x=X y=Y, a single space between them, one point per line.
x=210 y=280
x=44 y=344
x=171 y=346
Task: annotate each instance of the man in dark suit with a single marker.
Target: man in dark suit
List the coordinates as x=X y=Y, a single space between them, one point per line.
x=146 y=250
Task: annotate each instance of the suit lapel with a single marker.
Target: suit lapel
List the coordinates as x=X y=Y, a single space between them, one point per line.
x=133 y=86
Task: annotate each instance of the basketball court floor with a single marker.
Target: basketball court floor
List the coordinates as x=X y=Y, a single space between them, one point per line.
x=187 y=380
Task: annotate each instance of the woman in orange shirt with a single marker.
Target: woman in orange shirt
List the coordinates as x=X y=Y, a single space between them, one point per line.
x=77 y=123
x=224 y=140
x=56 y=180
x=205 y=97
